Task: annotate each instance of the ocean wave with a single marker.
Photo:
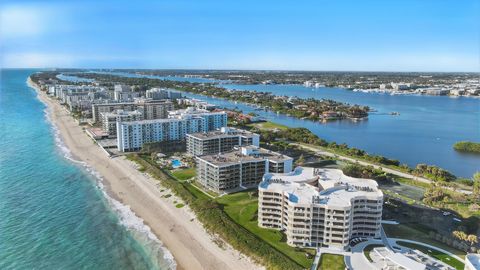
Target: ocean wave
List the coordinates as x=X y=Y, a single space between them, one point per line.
x=136 y=225
x=162 y=257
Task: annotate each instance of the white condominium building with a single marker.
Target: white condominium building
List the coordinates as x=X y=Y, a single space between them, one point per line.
x=110 y=119
x=154 y=109
x=61 y=90
x=78 y=97
x=162 y=93
x=132 y=135
x=99 y=108
x=319 y=207
x=212 y=120
x=241 y=168
x=124 y=93
x=219 y=141
x=197 y=103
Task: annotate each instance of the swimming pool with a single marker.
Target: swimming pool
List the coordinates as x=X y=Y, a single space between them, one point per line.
x=176 y=163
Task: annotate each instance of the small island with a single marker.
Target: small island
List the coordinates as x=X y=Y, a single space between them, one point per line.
x=467 y=147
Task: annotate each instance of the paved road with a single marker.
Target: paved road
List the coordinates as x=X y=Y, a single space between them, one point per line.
x=356 y=260
x=364 y=163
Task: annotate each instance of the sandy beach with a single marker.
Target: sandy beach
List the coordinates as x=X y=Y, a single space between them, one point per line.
x=191 y=246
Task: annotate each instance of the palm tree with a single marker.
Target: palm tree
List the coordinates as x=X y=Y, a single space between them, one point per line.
x=473 y=239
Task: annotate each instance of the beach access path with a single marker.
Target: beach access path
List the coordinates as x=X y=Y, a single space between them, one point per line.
x=191 y=245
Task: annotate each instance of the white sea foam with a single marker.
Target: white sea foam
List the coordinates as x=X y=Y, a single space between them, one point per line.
x=136 y=225
x=162 y=256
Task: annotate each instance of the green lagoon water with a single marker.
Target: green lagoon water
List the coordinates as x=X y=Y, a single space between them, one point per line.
x=54 y=213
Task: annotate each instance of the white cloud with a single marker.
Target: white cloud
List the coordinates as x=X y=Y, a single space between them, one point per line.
x=31 y=20
x=45 y=60
x=34 y=60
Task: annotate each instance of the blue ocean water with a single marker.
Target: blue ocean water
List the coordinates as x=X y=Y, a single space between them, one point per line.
x=53 y=211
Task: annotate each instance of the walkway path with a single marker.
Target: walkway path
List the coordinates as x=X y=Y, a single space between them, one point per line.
x=316 y=260
x=322 y=152
x=385 y=239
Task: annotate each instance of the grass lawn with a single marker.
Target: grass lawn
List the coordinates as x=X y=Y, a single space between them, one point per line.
x=435 y=254
x=209 y=193
x=412 y=182
x=417 y=233
x=331 y=262
x=368 y=249
x=195 y=192
x=243 y=210
x=268 y=125
x=183 y=174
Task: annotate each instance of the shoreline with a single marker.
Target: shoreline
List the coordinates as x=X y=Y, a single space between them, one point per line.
x=177 y=228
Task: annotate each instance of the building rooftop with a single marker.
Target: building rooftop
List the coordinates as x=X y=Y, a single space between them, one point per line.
x=121 y=113
x=174 y=116
x=190 y=111
x=114 y=102
x=320 y=186
x=244 y=154
x=222 y=133
x=153 y=121
x=399 y=259
x=143 y=100
x=474 y=259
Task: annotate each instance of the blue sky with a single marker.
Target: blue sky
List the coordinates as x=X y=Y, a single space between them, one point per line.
x=422 y=35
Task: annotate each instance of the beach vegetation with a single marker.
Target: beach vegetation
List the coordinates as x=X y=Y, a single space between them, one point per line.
x=476 y=184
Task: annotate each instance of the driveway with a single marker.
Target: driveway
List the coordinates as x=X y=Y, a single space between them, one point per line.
x=356 y=260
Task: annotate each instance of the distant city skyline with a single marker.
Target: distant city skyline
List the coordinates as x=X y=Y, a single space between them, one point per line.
x=435 y=36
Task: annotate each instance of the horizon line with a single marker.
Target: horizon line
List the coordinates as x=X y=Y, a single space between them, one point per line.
x=245 y=70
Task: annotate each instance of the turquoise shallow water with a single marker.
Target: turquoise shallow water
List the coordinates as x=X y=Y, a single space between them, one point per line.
x=53 y=212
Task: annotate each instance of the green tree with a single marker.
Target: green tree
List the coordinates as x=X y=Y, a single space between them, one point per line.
x=301 y=160
x=476 y=183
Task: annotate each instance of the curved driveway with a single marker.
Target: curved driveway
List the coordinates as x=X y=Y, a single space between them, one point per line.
x=356 y=259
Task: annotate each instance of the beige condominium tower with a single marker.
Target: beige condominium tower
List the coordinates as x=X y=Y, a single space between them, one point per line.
x=318 y=207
